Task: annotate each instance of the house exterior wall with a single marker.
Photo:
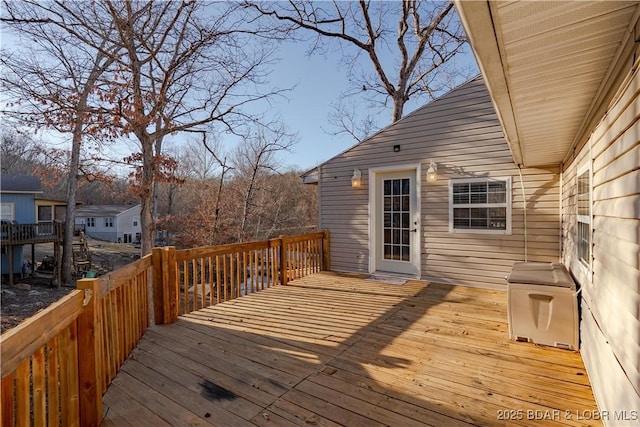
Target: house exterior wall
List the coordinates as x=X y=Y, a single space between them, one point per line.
x=610 y=325
x=18 y=259
x=102 y=232
x=24 y=211
x=57 y=209
x=99 y=230
x=461 y=132
x=125 y=223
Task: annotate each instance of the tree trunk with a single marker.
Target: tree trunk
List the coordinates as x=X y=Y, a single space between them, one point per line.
x=146 y=194
x=398 y=106
x=247 y=201
x=74 y=167
x=72 y=188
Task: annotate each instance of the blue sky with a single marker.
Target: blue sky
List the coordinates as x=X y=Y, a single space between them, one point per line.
x=318 y=83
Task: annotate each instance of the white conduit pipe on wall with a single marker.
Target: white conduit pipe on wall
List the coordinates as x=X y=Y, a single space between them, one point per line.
x=524 y=209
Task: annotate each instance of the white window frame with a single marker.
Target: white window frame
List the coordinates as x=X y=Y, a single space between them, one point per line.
x=91 y=222
x=506 y=204
x=109 y=221
x=585 y=219
x=12 y=208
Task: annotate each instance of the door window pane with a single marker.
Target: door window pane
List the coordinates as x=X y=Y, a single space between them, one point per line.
x=396 y=214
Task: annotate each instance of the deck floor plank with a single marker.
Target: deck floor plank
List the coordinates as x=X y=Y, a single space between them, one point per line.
x=336 y=349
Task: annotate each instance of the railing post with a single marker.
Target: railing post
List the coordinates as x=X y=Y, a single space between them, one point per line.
x=165 y=285
x=89 y=356
x=283 y=260
x=325 y=251
x=170 y=278
x=159 y=295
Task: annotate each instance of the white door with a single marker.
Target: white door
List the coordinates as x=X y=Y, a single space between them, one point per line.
x=397 y=225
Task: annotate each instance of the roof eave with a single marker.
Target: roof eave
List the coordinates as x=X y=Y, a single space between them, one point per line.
x=311 y=176
x=477 y=20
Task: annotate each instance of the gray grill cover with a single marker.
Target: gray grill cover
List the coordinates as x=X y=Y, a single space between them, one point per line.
x=541 y=273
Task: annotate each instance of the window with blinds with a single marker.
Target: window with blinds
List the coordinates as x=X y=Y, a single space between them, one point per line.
x=583 y=228
x=480 y=205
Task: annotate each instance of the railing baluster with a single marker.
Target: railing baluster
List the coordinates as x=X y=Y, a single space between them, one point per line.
x=210 y=261
x=218 y=282
x=38 y=387
x=53 y=382
x=23 y=403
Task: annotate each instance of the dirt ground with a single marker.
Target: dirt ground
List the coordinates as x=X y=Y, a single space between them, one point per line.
x=31 y=294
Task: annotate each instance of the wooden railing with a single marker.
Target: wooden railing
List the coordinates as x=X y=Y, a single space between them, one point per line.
x=196 y=278
x=123 y=303
x=40 y=366
x=57 y=364
x=17 y=234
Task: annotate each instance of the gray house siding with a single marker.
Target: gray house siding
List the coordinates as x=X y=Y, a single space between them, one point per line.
x=121 y=219
x=610 y=325
x=461 y=132
x=125 y=221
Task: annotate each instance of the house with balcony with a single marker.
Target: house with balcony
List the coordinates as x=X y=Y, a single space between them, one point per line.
x=17 y=206
x=23 y=222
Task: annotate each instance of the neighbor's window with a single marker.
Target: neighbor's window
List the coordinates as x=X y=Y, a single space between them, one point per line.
x=135 y=222
x=108 y=222
x=480 y=205
x=91 y=222
x=584 y=216
x=45 y=213
x=6 y=211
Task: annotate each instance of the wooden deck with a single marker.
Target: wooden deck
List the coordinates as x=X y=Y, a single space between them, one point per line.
x=335 y=349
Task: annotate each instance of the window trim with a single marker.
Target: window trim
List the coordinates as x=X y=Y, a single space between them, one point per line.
x=507 y=204
x=587 y=268
x=13 y=210
x=109 y=222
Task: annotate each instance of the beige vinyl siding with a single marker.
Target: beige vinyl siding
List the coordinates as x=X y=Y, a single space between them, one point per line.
x=461 y=132
x=611 y=291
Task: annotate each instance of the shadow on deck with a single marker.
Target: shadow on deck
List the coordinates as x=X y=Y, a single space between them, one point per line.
x=333 y=349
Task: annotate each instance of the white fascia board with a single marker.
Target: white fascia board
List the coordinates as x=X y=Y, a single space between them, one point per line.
x=476 y=17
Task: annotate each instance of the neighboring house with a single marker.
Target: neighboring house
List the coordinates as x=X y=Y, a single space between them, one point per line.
x=556 y=117
x=115 y=223
x=17 y=203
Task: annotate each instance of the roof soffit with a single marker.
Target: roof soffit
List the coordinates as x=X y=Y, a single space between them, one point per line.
x=545 y=64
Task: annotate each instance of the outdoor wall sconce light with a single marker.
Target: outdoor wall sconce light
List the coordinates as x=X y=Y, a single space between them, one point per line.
x=432 y=172
x=356 y=179
x=396 y=148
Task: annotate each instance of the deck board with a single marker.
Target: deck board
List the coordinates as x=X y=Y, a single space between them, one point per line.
x=335 y=349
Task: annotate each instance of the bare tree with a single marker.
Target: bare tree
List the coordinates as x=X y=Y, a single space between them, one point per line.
x=345 y=115
x=188 y=66
x=426 y=37
x=224 y=169
x=18 y=153
x=51 y=86
x=252 y=160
